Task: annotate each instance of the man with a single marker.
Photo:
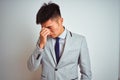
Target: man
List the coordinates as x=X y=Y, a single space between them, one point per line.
x=58 y=50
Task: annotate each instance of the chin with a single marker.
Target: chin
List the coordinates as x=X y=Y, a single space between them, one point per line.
x=51 y=36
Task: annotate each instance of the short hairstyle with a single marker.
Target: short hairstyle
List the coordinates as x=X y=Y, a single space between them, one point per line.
x=46 y=12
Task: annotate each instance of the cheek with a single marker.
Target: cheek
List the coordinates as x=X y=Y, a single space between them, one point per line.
x=54 y=30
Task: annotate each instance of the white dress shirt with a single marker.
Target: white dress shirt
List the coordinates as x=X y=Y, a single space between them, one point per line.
x=61 y=41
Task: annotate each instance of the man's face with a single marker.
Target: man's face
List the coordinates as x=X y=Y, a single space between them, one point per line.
x=54 y=26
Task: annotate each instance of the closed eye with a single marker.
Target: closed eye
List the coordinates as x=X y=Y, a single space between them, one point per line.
x=49 y=27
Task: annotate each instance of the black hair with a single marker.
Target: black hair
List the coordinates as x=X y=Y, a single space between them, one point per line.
x=46 y=12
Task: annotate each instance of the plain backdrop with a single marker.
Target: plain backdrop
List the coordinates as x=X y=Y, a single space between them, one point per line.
x=97 y=20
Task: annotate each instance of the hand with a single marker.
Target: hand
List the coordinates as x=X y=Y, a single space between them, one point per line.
x=43 y=36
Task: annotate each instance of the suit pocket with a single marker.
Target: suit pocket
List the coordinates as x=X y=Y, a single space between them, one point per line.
x=73 y=55
x=73 y=73
x=74 y=52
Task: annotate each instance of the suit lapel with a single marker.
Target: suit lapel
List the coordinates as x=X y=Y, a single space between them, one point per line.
x=67 y=46
x=52 y=51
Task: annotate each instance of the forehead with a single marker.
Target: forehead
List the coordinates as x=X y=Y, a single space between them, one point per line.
x=49 y=22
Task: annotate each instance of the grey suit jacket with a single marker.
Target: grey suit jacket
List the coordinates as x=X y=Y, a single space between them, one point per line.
x=75 y=54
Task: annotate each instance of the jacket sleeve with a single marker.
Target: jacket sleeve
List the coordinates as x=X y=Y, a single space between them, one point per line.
x=84 y=61
x=35 y=58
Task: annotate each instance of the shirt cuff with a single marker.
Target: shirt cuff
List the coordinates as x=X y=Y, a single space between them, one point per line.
x=40 y=49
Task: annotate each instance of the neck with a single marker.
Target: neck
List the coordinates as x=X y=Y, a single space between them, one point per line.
x=62 y=30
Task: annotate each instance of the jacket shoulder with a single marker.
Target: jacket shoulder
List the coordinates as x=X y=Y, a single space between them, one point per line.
x=77 y=36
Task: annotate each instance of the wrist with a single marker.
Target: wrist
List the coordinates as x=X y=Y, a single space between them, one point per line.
x=41 y=46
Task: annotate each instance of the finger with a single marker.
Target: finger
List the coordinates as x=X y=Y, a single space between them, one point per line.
x=42 y=31
x=42 y=28
x=46 y=32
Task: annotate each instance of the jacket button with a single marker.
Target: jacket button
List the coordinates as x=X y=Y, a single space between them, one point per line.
x=56 y=69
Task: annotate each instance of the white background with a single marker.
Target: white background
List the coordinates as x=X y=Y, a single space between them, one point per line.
x=98 y=20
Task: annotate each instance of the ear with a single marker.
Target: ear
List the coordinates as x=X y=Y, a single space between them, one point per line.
x=60 y=20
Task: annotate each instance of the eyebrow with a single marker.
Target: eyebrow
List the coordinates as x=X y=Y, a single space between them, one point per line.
x=46 y=26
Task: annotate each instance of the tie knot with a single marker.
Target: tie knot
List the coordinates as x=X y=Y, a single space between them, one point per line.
x=57 y=38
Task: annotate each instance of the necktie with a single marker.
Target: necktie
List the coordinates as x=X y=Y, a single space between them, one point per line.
x=57 y=49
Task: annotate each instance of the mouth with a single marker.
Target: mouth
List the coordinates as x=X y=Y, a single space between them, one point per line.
x=52 y=36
